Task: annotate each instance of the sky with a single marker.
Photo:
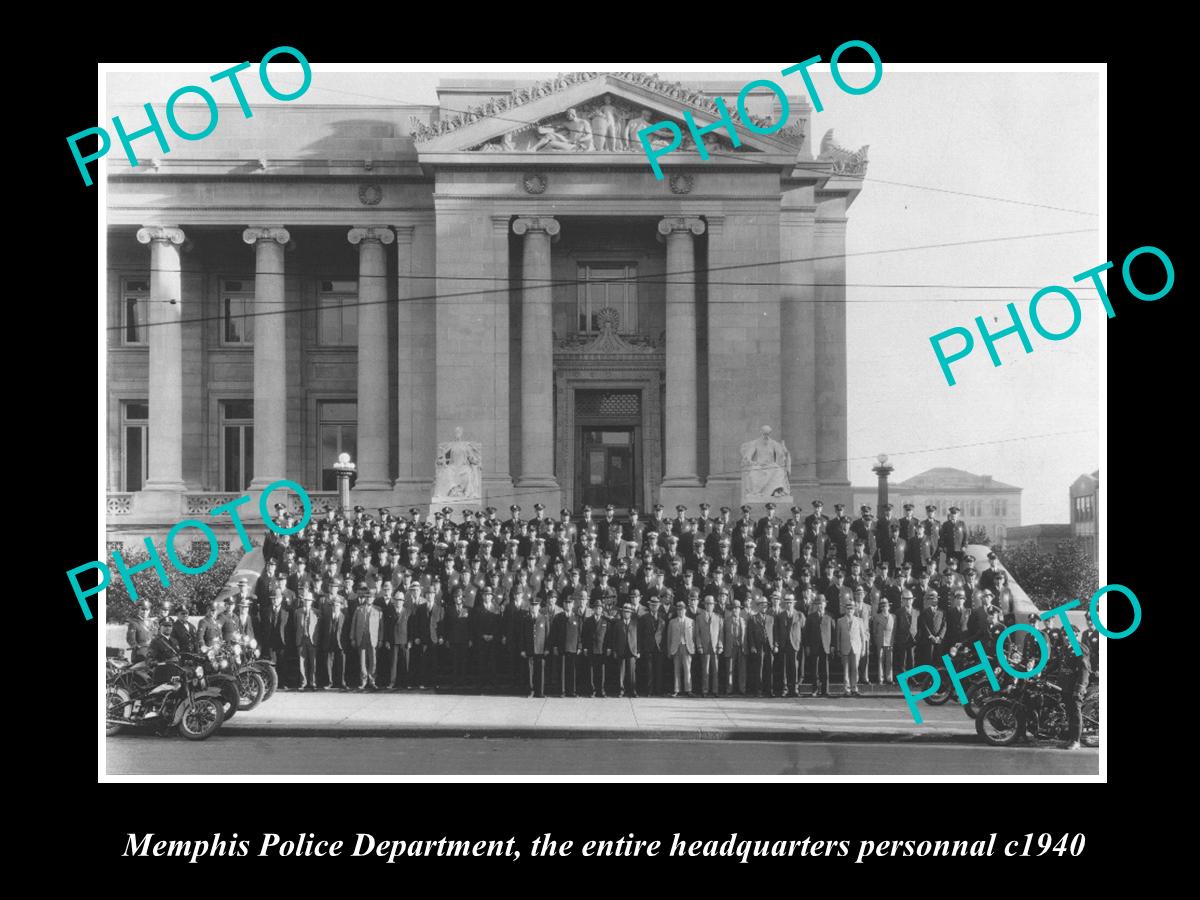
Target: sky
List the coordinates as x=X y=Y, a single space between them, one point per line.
x=935 y=138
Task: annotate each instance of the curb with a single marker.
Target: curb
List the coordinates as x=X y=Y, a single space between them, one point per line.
x=628 y=734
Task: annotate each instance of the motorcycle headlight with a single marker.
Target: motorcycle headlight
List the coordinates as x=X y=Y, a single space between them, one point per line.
x=256 y=654
x=224 y=664
x=199 y=671
x=253 y=643
x=237 y=652
x=954 y=651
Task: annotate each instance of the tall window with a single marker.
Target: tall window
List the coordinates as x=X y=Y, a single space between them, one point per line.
x=337 y=433
x=135 y=311
x=999 y=507
x=608 y=285
x=337 y=316
x=135 y=444
x=237 y=444
x=237 y=308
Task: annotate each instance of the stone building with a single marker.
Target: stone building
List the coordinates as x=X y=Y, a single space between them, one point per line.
x=326 y=279
x=1085 y=512
x=983 y=501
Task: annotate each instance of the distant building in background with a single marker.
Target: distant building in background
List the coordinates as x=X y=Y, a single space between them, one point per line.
x=1084 y=527
x=1085 y=515
x=1046 y=537
x=983 y=500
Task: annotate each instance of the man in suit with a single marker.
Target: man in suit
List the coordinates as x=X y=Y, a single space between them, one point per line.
x=418 y=635
x=789 y=637
x=761 y=647
x=365 y=630
x=141 y=630
x=883 y=625
x=395 y=638
x=183 y=633
x=330 y=639
x=566 y=645
x=681 y=644
x=734 y=647
x=953 y=537
x=624 y=649
x=306 y=640
x=956 y=618
x=904 y=635
x=273 y=626
x=487 y=630
x=708 y=638
x=241 y=620
x=534 y=647
x=931 y=631
x=851 y=643
x=595 y=643
x=652 y=636
x=820 y=631
x=456 y=631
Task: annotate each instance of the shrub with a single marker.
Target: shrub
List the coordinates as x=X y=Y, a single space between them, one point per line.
x=1051 y=579
x=195 y=591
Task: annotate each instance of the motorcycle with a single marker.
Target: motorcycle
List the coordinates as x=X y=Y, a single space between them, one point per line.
x=252 y=658
x=1036 y=709
x=252 y=686
x=981 y=689
x=945 y=689
x=172 y=694
x=221 y=673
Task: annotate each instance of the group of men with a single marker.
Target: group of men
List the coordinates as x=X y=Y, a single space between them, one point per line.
x=583 y=606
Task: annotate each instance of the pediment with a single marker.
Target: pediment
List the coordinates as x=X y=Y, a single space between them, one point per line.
x=592 y=113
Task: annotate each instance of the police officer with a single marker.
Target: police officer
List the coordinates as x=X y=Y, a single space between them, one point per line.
x=1075 y=673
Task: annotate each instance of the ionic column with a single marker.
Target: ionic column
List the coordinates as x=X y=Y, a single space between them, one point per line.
x=270 y=355
x=372 y=357
x=165 y=470
x=798 y=353
x=830 y=328
x=537 y=353
x=682 y=399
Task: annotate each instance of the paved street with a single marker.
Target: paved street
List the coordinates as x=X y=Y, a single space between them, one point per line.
x=332 y=714
x=458 y=756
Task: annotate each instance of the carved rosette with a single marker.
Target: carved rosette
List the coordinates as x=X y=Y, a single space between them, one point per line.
x=167 y=234
x=681 y=184
x=547 y=224
x=266 y=233
x=370 y=194
x=371 y=233
x=673 y=224
x=534 y=183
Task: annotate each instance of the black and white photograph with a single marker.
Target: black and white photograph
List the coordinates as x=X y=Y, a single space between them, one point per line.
x=508 y=422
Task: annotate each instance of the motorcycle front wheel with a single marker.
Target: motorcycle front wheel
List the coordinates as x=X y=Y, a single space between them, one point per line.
x=253 y=690
x=270 y=679
x=976 y=697
x=941 y=695
x=116 y=702
x=201 y=719
x=1091 y=721
x=999 y=723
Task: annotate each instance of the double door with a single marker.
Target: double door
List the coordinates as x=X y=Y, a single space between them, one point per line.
x=606 y=472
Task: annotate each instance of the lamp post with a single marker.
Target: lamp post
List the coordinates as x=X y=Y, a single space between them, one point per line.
x=344 y=469
x=883 y=470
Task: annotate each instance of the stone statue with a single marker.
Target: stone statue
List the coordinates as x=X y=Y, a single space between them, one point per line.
x=577 y=136
x=604 y=126
x=459 y=470
x=766 y=464
x=632 y=142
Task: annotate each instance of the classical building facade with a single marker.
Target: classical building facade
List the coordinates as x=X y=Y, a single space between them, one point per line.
x=983 y=501
x=1085 y=512
x=318 y=280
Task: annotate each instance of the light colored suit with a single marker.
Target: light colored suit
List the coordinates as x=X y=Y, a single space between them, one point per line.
x=681 y=645
x=364 y=635
x=852 y=640
x=882 y=627
x=709 y=645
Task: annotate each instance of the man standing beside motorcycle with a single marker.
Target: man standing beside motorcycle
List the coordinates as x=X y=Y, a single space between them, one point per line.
x=183 y=632
x=1075 y=672
x=209 y=631
x=141 y=630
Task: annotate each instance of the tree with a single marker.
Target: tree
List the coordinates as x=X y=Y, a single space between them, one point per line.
x=193 y=591
x=979 y=535
x=1051 y=579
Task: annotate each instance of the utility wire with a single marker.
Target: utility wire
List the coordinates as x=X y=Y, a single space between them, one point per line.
x=507 y=288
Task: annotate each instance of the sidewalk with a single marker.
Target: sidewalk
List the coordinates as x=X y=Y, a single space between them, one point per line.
x=414 y=714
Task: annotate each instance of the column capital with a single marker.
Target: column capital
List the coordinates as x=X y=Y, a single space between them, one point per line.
x=404 y=233
x=164 y=233
x=548 y=224
x=670 y=224
x=379 y=233
x=256 y=233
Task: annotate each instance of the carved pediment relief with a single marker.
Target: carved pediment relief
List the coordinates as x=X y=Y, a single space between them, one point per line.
x=596 y=113
x=608 y=342
x=845 y=162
